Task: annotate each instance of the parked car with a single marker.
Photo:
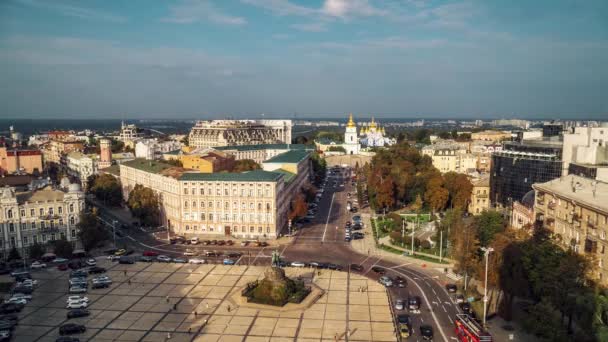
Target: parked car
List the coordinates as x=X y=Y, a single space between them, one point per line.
x=180 y=260
x=356 y=268
x=76 y=313
x=60 y=260
x=451 y=288
x=297 y=264
x=113 y=257
x=465 y=307
x=234 y=254
x=399 y=304
x=20 y=273
x=120 y=252
x=15 y=301
x=459 y=298
x=405 y=325
x=5 y=335
x=96 y=270
x=77 y=299
x=99 y=285
x=413 y=303
x=77 y=289
x=196 y=261
x=244 y=243
x=163 y=258
x=426 y=331
x=228 y=262
x=126 y=260
x=91 y=262
x=190 y=253
x=379 y=270
x=386 y=281
x=194 y=240
x=76 y=305
x=78 y=274
x=334 y=267
x=150 y=253
x=62 y=267
x=27 y=297
x=71 y=328
x=37 y=264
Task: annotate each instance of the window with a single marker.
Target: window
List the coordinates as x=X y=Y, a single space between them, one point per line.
x=22 y=213
x=60 y=222
x=185 y=191
x=226 y=192
x=42 y=225
x=267 y=229
x=218 y=192
x=52 y=237
x=267 y=206
x=202 y=191
x=35 y=238
x=51 y=211
x=251 y=229
x=9 y=214
x=71 y=207
x=260 y=230
x=202 y=204
x=259 y=206
x=187 y=227
x=210 y=216
x=250 y=205
x=73 y=233
x=227 y=205
x=60 y=210
x=33 y=225
x=25 y=240
x=195 y=227
x=72 y=221
x=11 y=227
x=210 y=204
x=193 y=191
x=193 y=204
x=32 y=212
x=202 y=216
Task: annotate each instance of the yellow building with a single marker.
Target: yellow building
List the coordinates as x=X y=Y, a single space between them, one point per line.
x=480 y=197
x=208 y=163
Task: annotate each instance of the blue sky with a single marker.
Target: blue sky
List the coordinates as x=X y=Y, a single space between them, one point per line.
x=389 y=58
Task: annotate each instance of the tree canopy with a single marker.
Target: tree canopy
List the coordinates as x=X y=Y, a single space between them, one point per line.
x=106 y=188
x=144 y=205
x=245 y=165
x=91 y=232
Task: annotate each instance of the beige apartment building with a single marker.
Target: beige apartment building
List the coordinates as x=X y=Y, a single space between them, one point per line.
x=495 y=136
x=39 y=216
x=480 y=196
x=575 y=209
x=212 y=133
x=250 y=205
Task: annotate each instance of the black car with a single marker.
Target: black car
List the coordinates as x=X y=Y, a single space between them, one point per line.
x=23 y=289
x=78 y=313
x=7 y=325
x=334 y=267
x=357 y=236
x=96 y=270
x=379 y=270
x=10 y=308
x=78 y=274
x=71 y=328
x=465 y=307
x=126 y=260
x=76 y=264
x=413 y=303
x=357 y=226
x=145 y=258
x=426 y=331
x=9 y=317
x=356 y=268
x=400 y=281
x=5 y=270
x=234 y=254
x=67 y=339
x=452 y=288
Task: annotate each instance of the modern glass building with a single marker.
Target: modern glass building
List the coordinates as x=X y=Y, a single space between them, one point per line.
x=521 y=164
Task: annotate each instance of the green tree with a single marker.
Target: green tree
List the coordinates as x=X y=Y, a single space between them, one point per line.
x=106 y=188
x=13 y=254
x=63 y=248
x=245 y=165
x=91 y=232
x=144 y=205
x=36 y=251
x=489 y=223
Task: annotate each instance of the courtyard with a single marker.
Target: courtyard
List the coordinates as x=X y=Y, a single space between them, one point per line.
x=183 y=302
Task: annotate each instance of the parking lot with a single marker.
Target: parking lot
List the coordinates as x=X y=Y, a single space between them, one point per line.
x=184 y=302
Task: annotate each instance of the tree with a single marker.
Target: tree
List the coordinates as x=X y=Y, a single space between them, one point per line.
x=298 y=207
x=13 y=254
x=436 y=195
x=336 y=149
x=117 y=146
x=63 y=248
x=106 y=188
x=245 y=165
x=144 y=205
x=544 y=321
x=459 y=188
x=91 y=232
x=488 y=223
x=36 y=251
x=463 y=241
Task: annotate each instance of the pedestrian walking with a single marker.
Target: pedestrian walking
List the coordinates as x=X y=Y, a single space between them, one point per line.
x=228 y=308
x=189 y=330
x=125 y=272
x=129 y=281
x=168 y=336
x=207 y=305
x=195 y=313
x=175 y=306
x=167 y=298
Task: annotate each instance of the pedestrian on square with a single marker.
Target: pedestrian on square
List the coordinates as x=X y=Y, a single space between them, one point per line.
x=175 y=306
x=189 y=330
x=228 y=308
x=195 y=313
x=168 y=336
x=167 y=298
x=125 y=272
x=129 y=281
x=207 y=305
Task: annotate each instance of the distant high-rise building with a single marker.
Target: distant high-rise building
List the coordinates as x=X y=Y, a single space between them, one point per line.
x=105 y=156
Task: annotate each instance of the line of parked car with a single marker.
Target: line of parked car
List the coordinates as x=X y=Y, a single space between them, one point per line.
x=152 y=256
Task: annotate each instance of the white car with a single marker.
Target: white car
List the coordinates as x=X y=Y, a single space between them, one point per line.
x=190 y=253
x=298 y=264
x=77 y=299
x=75 y=305
x=91 y=262
x=196 y=261
x=78 y=289
x=163 y=258
x=22 y=296
x=16 y=301
x=38 y=264
x=113 y=257
x=28 y=283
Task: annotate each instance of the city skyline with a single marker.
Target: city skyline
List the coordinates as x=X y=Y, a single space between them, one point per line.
x=199 y=59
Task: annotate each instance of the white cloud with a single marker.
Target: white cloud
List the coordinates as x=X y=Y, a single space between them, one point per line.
x=311 y=27
x=351 y=8
x=192 y=11
x=70 y=9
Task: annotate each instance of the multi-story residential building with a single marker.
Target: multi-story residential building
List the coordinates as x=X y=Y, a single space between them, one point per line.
x=521 y=164
x=260 y=153
x=252 y=204
x=208 y=162
x=81 y=166
x=495 y=136
x=586 y=151
x=56 y=149
x=575 y=209
x=154 y=149
x=480 y=196
x=39 y=216
x=214 y=133
x=20 y=161
x=451 y=158
x=522 y=213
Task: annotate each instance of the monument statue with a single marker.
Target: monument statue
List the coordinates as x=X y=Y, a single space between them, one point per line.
x=276 y=259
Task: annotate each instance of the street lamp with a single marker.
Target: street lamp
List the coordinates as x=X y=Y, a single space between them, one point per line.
x=486 y=251
x=114 y=231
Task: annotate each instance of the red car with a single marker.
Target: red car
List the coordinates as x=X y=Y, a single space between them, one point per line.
x=150 y=253
x=62 y=267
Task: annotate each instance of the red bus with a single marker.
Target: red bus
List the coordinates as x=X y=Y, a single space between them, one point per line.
x=469 y=330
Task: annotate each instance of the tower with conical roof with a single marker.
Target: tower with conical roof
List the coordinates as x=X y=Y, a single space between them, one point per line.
x=351 y=140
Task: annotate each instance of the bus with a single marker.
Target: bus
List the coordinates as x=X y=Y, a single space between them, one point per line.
x=469 y=330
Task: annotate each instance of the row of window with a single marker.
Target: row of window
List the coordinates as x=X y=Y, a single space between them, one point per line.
x=41 y=224
x=226 y=192
x=41 y=211
x=43 y=238
x=218 y=204
x=235 y=229
x=226 y=217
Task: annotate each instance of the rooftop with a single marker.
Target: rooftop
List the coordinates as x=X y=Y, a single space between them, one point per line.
x=43 y=195
x=586 y=191
x=265 y=147
x=251 y=176
x=291 y=156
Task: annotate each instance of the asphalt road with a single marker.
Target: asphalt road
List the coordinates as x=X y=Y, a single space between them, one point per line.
x=323 y=241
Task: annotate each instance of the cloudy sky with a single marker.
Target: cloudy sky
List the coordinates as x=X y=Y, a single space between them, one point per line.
x=391 y=58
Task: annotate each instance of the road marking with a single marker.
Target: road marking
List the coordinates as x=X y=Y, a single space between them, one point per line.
x=446 y=311
x=428 y=303
x=328 y=215
x=409 y=263
x=446 y=302
x=434 y=302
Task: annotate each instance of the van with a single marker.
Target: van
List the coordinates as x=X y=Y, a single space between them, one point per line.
x=194 y=241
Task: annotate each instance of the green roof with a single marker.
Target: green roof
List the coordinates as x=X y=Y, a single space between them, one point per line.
x=288 y=175
x=153 y=166
x=175 y=152
x=292 y=156
x=264 y=147
x=250 y=176
x=113 y=169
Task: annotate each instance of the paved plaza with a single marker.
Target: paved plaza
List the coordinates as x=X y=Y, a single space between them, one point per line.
x=181 y=302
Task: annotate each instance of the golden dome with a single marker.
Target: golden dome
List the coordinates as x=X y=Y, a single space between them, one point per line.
x=373 y=123
x=351 y=122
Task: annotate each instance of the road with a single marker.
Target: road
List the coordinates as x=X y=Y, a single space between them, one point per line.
x=323 y=241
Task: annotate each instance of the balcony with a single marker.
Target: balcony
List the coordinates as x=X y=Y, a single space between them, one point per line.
x=482 y=196
x=591 y=224
x=540 y=201
x=551 y=205
x=49 y=217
